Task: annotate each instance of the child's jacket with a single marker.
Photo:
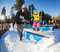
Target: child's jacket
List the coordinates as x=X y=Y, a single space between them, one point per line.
x=36 y=17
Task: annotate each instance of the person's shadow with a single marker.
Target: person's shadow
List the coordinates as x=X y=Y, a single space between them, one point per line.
x=57 y=37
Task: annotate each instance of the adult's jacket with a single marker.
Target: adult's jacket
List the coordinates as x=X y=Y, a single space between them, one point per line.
x=19 y=17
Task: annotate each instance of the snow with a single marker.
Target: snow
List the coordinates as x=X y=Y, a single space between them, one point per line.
x=13 y=44
x=54 y=48
x=10 y=43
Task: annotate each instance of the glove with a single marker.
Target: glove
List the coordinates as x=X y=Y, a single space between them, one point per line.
x=13 y=28
x=24 y=20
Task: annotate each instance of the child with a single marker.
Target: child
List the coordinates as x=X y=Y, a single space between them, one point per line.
x=36 y=19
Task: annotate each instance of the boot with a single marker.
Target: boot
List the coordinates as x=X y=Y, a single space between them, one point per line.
x=20 y=39
x=21 y=36
x=37 y=29
x=33 y=29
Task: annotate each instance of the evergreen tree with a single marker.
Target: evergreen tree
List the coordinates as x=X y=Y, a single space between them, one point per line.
x=29 y=10
x=19 y=4
x=12 y=13
x=3 y=11
x=12 y=17
x=32 y=7
x=28 y=14
x=25 y=9
x=45 y=16
x=12 y=10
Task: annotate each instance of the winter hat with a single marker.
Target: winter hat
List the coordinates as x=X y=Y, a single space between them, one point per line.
x=23 y=7
x=34 y=10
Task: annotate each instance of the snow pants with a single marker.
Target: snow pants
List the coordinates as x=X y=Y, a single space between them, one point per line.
x=38 y=25
x=20 y=29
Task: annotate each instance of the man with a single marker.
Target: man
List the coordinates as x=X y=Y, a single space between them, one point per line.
x=19 y=18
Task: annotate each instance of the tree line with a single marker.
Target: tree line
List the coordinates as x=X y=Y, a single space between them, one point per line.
x=57 y=18
x=28 y=11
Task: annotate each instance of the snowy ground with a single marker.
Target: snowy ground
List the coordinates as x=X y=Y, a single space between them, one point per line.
x=11 y=43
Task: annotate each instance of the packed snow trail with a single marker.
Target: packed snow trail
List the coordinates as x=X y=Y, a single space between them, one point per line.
x=11 y=43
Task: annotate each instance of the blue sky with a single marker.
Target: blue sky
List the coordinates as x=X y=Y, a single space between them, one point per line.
x=51 y=7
